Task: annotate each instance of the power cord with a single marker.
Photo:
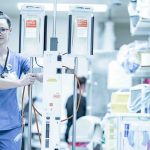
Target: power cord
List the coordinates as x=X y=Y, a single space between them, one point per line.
x=80 y=93
x=37 y=63
x=79 y=100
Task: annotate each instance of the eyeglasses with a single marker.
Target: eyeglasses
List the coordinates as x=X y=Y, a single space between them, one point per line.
x=3 y=30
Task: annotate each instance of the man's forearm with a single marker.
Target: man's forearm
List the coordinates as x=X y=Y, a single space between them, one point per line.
x=8 y=84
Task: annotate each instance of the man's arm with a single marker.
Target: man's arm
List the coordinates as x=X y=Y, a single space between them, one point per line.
x=7 y=83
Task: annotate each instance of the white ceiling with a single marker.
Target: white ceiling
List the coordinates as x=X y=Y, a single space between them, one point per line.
x=118 y=12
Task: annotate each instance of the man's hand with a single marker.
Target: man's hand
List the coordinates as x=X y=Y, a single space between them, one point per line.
x=28 y=79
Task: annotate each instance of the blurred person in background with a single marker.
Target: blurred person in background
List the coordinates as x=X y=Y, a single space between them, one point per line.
x=82 y=108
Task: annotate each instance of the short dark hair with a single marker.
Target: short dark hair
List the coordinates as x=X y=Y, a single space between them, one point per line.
x=82 y=81
x=4 y=16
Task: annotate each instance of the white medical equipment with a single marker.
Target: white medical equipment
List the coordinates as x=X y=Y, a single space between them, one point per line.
x=33 y=28
x=127 y=132
x=52 y=80
x=139 y=99
x=33 y=42
x=88 y=133
x=51 y=101
x=80 y=43
x=81 y=31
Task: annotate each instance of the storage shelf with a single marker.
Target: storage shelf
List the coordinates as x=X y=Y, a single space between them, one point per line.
x=141 y=28
x=142 y=72
x=144 y=51
x=113 y=115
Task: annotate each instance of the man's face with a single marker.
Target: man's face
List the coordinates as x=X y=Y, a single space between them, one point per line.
x=4 y=31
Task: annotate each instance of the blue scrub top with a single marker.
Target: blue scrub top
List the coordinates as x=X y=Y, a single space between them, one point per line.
x=10 y=115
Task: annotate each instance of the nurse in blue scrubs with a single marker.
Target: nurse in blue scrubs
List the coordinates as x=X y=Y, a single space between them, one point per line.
x=12 y=66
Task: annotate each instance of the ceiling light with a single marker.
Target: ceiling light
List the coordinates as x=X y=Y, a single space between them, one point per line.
x=65 y=7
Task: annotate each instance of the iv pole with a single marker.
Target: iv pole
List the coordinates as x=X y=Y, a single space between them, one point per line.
x=30 y=108
x=74 y=104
